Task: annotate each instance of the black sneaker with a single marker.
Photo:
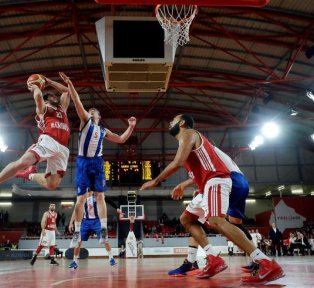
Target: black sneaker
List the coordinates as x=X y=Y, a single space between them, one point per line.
x=33 y=260
x=54 y=262
x=103 y=236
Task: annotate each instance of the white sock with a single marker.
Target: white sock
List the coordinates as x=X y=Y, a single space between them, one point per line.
x=258 y=255
x=209 y=250
x=192 y=253
x=103 y=223
x=75 y=258
x=77 y=226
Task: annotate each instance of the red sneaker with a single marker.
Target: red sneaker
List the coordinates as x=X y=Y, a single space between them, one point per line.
x=268 y=271
x=215 y=264
x=24 y=174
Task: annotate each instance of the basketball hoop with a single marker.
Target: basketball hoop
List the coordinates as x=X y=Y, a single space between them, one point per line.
x=176 y=21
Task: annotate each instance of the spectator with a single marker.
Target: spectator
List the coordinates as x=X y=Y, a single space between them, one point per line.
x=122 y=252
x=1 y=216
x=63 y=219
x=300 y=243
x=7 y=245
x=276 y=240
x=258 y=238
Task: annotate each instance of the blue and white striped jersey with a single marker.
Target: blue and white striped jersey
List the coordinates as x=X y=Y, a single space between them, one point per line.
x=90 y=140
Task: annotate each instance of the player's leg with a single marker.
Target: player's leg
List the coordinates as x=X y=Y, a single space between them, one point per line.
x=112 y=261
x=42 y=243
x=26 y=161
x=78 y=216
x=216 y=199
x=76 y=253
x=99 y=186
x=51 y=243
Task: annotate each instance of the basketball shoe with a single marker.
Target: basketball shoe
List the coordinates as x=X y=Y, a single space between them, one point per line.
x=33 y=260
x=112 y=262
x=54 y=262
x=268 y=271
x=103 y=237
x=250 y=267
x=73 y=265
x=75 y=240
x=187 y=268
x=214 y=265
x=24 y=174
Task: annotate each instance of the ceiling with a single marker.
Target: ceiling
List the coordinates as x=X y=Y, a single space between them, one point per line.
x=241 y=64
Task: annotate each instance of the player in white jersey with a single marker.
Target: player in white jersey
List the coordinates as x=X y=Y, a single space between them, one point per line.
x=89 y=226
x=89 y=163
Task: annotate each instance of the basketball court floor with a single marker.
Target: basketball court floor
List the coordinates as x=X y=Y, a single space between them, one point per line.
x=147 y=272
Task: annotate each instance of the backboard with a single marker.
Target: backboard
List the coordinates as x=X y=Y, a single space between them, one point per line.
x=131 y=210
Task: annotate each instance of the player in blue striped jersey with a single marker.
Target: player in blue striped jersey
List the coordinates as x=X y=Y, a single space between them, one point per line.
x=90 y=225
x=89 y=162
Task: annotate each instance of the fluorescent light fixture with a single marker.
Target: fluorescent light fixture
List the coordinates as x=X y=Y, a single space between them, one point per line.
x=312 y=137
x=270 y=130
x=293 y=112
x=310 y=95
x=312 y=193
x=67 y=203
x=3 y=147
x=257 y=141
x=250 y=200
x=5 y=194
x=186 y=202
x=268 y=193
x=5 y=203
x=282 y=187
x=297 y=190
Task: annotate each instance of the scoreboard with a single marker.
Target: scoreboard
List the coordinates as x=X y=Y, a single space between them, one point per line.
x=130 y=173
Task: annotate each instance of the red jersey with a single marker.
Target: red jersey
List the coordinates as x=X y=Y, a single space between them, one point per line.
x=51 y=221
x=54 y=122
x=207 y=162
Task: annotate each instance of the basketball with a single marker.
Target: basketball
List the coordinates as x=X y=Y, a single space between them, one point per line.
x=38 y=80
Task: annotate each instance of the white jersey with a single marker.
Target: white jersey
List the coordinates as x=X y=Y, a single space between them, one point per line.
x=90 y=140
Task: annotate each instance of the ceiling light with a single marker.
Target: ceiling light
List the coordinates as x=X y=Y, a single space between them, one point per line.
x=258 y=140
x=312 y=193
x=293 y=112
x=67 y=203
x=5 y=203
x=282 y=187
x=250 y=200
x=5 y=194
x=270 y=130
x=3 y=147
x=268 y=193
x=310 y=95
x=312 y=136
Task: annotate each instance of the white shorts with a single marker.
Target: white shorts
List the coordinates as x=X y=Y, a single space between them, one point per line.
x=214 y=201
x=56 y=155
x=49 y=239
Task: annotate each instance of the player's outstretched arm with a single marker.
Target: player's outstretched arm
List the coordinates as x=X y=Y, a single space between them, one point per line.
x=43 y=222
x=38 y=97
x=113 y=137
x=81 y=112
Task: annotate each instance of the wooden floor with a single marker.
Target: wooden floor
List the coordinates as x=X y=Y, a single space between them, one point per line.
x=148 y=272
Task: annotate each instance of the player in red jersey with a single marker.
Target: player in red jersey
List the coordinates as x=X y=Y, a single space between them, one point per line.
x=216 y=175
x=52 y=144
x=48 y=234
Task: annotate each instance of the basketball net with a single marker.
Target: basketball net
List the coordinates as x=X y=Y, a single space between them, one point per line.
x=132 y=220
x=176 y=21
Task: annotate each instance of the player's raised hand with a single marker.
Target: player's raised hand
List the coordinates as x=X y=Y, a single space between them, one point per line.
x=31 y=87
x=64 y=77
x=132 y=121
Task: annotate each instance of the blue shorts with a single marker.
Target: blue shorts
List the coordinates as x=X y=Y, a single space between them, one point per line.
x=239 y=192
x=90 y=174
x=90 y=227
